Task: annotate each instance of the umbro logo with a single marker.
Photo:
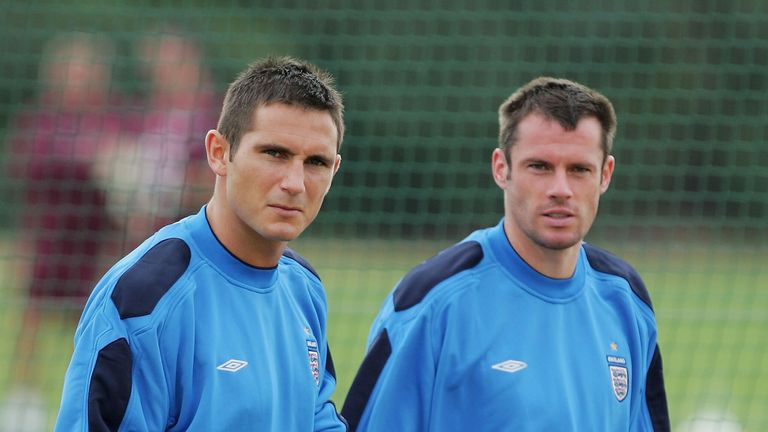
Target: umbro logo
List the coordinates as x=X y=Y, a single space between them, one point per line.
x=232 y=365
x=510 y=366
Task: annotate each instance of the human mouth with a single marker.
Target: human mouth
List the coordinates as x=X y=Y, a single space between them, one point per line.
x=285 y=210
x=558 y=216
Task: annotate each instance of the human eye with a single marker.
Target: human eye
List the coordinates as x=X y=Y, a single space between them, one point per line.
x=581 y=169
x=275 y=152
x=317 y=161
x=537 y=166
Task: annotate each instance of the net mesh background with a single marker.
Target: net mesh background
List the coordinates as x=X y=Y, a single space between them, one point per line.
x=422 y=82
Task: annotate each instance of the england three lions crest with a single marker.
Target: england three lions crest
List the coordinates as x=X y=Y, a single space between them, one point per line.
x=314 y=360
x=619 y=376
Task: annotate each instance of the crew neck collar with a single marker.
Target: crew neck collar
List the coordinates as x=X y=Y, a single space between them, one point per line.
x=212 y=250
x=557 y=290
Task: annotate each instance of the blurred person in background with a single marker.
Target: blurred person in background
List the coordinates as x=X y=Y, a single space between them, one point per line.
x=51 y=151
x=158 y=172
x=522 y=326
x=212 y=323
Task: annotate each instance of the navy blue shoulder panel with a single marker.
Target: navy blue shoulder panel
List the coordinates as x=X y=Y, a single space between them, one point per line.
x=290 y=253
x=605 y=262
x=420 y=281
x=144 y=284
x=110 y=387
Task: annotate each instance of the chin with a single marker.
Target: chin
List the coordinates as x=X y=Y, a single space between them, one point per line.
x=560 y=243
x=281 y=236
x=283 y=233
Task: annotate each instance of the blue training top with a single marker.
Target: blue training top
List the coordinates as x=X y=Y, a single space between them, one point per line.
x=181 y=335
x=474 y=339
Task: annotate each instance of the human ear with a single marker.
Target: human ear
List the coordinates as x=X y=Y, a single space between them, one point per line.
x=499 y=167
x=217 y=151
x=607 y=173
x=336 y=165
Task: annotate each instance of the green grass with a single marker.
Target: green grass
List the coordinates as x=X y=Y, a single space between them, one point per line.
x=711 y=304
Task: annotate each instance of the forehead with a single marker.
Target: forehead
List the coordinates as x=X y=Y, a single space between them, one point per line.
x=539 y=135
x=291 y=124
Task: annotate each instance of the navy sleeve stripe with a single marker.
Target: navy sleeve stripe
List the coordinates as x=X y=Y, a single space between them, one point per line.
x=365 y=380
x=605 y=262
x=656 y=396
x=110 y=387
x=420 y=281
x=290 y=253
x=329 y=363
x=142 y=286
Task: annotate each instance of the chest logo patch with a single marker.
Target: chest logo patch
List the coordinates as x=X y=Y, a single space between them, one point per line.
x=510 y=366
x=232 y=365
x=617 y=366
x=314 y=360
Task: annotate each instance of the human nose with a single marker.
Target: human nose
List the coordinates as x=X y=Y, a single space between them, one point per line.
x=293 y=178
x=560 y=187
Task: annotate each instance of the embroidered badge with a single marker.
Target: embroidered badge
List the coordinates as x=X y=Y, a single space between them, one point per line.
x=619 y=376
x=314 y=360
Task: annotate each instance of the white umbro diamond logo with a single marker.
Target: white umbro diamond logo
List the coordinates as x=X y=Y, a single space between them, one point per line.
x=232 y=365
x=510 y=366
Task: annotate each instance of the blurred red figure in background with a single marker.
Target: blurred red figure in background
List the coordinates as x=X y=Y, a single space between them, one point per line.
x=51 y=150
x=65 y=227
x=161 y=173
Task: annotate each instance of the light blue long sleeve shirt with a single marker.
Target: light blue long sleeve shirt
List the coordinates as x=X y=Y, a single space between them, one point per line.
x=181 y=335
x=475 y=339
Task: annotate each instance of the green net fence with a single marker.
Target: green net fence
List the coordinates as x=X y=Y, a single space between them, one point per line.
x=422 y=81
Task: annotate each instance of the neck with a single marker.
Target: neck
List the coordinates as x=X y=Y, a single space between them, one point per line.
x=553 y=263
x=239 y=239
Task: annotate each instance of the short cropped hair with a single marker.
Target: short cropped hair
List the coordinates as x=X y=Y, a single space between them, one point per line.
x=278 y=79
x=561 y=100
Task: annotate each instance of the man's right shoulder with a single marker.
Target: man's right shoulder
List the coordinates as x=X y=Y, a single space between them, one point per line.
x=147 y=275
x=447 y=264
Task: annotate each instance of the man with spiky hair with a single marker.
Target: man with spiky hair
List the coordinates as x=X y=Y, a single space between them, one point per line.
x=212 y=323
x=522 y=326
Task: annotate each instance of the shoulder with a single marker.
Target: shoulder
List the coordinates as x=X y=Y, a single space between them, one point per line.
x=291 y=257
x=148 y=274
x=605 y=262
x=303 y=283
x=296 y=271
x=447 y=264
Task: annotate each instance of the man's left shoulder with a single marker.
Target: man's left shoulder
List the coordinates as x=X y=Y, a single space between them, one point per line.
x=606 y=262
x=290 y=256
x=306 y=288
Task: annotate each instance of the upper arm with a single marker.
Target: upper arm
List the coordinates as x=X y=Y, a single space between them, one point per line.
x=393 y=386
x=107 y=379
x=655 y=394
x=98 y=381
